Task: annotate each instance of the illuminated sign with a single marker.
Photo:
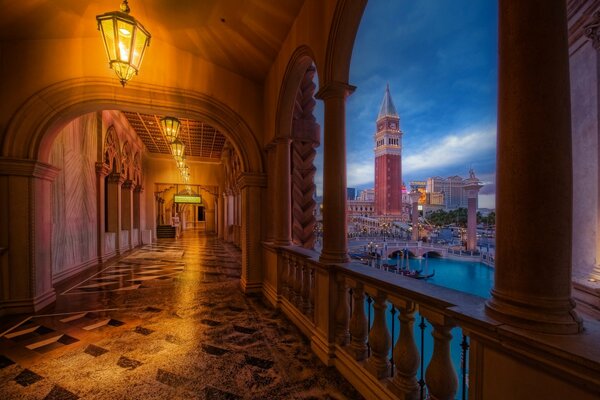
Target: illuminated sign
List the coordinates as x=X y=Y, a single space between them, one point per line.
x=187 y=199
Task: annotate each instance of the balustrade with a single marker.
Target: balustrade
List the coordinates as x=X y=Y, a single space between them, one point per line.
x=402 y=357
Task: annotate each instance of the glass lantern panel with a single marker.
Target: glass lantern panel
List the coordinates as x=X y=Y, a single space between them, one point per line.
x=107 y=26
x=139 y=46
x=125 y=38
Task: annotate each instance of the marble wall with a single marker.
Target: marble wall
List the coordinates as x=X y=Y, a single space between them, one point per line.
x=74 y=241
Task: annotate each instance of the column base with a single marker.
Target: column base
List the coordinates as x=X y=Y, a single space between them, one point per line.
x=25 y=306
x=334 y=257
x=552 y=316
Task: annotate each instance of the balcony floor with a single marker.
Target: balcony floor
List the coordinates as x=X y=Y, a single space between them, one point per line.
x=165 y=322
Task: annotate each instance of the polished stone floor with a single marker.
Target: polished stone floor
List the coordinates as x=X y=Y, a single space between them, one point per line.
x=166 y=322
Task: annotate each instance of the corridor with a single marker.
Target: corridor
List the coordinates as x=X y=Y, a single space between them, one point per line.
x=167 y=321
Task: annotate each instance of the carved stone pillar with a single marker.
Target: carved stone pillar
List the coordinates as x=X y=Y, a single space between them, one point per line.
x=305 y=138
x=592 y=32
x=283 y=205
x=251 y=186
x=414 y=200
x=472 y=188
x=25 y=235
x=335 y=242
x=271 y=192
x=137 y=211
x=220 y=218
x=532 y=286
x=114 y=207
x=127 y=210
x=102 y=170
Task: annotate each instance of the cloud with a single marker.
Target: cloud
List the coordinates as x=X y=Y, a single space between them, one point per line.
x=459 y=149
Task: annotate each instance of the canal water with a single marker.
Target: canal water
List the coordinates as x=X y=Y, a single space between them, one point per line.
x=470 y=277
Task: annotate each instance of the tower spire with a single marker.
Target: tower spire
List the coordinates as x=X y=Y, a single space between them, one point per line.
x=387 y=108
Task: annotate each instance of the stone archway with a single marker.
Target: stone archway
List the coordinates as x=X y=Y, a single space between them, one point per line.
x=24 y=164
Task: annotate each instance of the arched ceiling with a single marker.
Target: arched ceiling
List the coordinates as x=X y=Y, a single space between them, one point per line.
x=227 y=33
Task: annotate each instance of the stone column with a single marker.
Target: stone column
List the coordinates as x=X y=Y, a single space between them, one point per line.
x=102 y=170
x=127 y=210
x=283 y=206
x=137 y=211
x=251 y=186
x=587 y=119
x=271 y=192
x=472 y=187
x=115 y=180
x=220 y=217
x=335 y=242
x=532 y=285
x=414 y=200
x=25 y=235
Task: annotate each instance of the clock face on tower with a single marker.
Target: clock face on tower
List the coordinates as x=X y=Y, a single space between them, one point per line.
x=392 y=125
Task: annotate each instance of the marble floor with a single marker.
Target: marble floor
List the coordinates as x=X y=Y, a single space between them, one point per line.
x=165 y=322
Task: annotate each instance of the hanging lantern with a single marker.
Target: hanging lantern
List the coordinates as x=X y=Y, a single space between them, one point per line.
x=125 y=41
x=178 y=149
x=180 y=162
x=185 y=171
x=170 y=127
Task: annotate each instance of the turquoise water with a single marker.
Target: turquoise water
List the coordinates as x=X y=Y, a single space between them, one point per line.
x=470 y=277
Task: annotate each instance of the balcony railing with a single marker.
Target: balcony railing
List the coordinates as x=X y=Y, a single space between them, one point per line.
x=373 y=326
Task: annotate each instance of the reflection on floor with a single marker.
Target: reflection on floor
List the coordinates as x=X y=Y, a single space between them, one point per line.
x=167 y=322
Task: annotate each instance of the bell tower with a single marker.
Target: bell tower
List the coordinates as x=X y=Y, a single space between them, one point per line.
x=388 y=159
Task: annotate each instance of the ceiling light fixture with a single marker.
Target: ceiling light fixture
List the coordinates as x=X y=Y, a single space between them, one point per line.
x=178 y=149
x=125 y=41
x=170 y=127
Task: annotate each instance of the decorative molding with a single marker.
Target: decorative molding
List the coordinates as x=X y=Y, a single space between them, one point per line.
x=592 y=30
x=102 y=169
x=29 y=168
x=251 y=179
x=335 y=90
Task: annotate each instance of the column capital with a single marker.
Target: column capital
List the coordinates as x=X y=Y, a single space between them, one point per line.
x=592 y=30
x=335 y=90
x=102 y=169
x=30 y=168
x=139 y=189
x=116 y=178
x=251 y=179
x=128 y=184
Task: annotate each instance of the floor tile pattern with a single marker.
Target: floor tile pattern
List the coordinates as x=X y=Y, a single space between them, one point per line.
x=191 y=335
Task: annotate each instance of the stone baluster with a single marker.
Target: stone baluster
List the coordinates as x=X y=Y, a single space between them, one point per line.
x=342 y=312
x=298 y=284
x=311 y=295
x=380 y=340
x=285 y=274
x=406 y=357
x=440 y=377
x=358 y=324
x=291 y=277
x=306 y=285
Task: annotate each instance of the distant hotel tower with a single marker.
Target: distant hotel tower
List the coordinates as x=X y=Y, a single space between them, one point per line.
x=388 y=159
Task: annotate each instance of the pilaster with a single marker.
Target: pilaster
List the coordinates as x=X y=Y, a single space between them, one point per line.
x=25 y=235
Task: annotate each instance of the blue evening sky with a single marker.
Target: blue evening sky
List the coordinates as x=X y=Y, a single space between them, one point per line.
x=440 y=60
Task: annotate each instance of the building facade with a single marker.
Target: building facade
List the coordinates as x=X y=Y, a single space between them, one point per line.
x=451 y=189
